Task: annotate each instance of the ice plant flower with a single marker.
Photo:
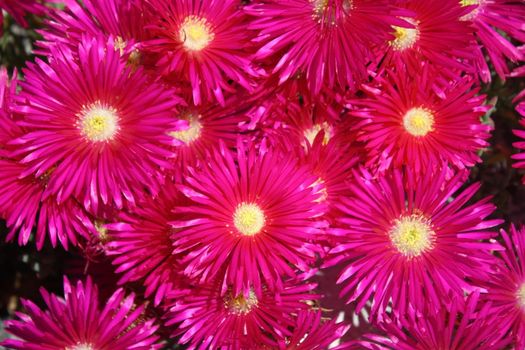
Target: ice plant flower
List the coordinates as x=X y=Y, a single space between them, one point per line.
x=405 y=122
x=207 y=319
x=328 y=40
x=140 y=244
x=123 y=20
x=252 y=218
x=497 y=24
x=207 y=126
x=434 y=34
x=471 y=329
x=204 y=43
x=79 y=322
x=100 y=127
x=408 y=245
x=506 y=289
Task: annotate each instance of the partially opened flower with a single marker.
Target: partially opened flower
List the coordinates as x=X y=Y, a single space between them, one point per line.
x=497 y=24
x=209 y=319
x=141 y=247
x=252 y=218
x=410 y=241
x=433 y=35
x=98 y=129
x=506 y=289
x=328 y=40
x=405 y=122
x=471 y=329
x=311 y=332
x=204 y=43
x=80 y=322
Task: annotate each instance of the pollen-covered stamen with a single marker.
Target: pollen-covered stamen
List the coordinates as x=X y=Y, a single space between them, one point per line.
x=81 y=346
x=469 y=2
x=412 y=235
x=248 y=219
x=192 y=133
x=98 y=122
x=195 y=33
x=472 y=13
x=418 y=121
x=405 y=37
x=326 y=12
x=240 y=305
x=521 y=295
x=101 y=230
x=311 y=134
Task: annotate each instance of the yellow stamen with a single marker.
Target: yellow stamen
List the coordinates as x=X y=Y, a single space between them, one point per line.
x=469 y=2
x=240 y=305
x=311 y=134
x=412 y=235
x=418 y=121
x=248 y=219
x=521 y=295
x=405 y=37
x=192 y=133
x=98 y=122
x=195 y=33
x=101 y=230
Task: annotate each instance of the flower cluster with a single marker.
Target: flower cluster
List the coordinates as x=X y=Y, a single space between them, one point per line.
x=224 y=156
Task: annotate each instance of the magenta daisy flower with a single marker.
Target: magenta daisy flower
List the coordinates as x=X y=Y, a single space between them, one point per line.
x=328 y=40
x=101 y=128
x=469 y=330
x=252 y=218
x=141 y=247
x=78 y=322
x=311 y=332
x=207 y=126
x=497 y=24
x=124 y=20
x=433 y=33
x=210 y=319
x=506 y=289
x=405 y=122
x=205 y=43
x=408 y=245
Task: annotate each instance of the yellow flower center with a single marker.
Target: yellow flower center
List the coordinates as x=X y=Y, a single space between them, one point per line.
x=311 y=134
x=405 y=38
x=81 y=346
x=195 y=33
x=521 y=295
x=469 y=2
x=98 y=122
x=101 y=230
x=240 y=305
x=192 y=133
x=412 y=235
x=418 y=121
x=248 y=219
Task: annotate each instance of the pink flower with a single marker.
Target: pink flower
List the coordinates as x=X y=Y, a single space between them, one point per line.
x=497 y=23
x=78 y=322
x=252 y=218
x=408 y=245
x=405 y=122
x=433 y=34
x=328 y=40
x=204 y=43
x=209 y=319
x=506 y=289
x=101 y=128
x=471 y=329
x=141 y=247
